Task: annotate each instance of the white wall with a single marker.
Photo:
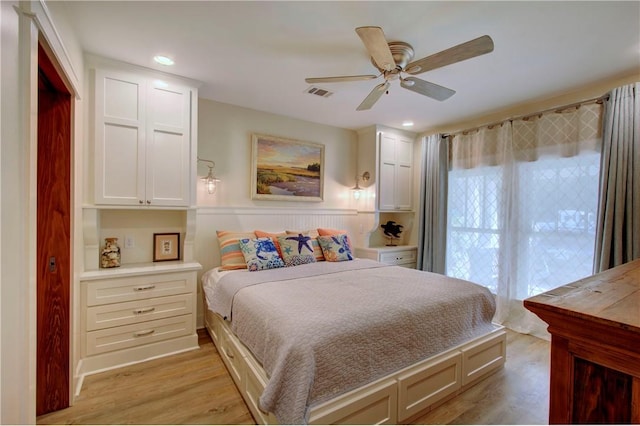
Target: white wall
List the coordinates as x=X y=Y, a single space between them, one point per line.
x=224 y=136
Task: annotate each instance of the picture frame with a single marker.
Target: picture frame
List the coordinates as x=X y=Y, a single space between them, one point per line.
x=285 y=169
x=166 y=246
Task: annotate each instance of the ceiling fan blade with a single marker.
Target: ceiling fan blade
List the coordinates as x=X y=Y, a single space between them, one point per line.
x=373 y=97
x=340 y=78
x=377 y=46
x=426 y=88
x=461 y=52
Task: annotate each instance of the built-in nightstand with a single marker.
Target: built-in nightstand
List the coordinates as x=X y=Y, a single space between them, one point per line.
x=392 y=255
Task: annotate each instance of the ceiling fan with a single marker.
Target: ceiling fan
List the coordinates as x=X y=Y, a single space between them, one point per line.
x=393 y=60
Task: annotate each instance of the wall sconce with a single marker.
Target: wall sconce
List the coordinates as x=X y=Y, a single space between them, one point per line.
x=357 y=191
x=210 y=181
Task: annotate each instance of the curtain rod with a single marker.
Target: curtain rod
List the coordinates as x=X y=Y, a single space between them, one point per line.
x=557 y=109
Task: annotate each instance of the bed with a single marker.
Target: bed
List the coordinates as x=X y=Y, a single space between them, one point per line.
x=350 y=342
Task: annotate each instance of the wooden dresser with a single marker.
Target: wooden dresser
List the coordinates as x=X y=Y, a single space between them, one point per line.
x=595 y=347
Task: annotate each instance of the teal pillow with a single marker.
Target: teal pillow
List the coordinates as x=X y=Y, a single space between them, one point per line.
x=297 y=249
x=260 y=254
x=335 y=248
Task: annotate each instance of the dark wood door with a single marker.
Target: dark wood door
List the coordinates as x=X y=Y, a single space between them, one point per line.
x=53 y=240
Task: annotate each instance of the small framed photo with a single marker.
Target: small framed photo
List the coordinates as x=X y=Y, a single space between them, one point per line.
x=166 y=247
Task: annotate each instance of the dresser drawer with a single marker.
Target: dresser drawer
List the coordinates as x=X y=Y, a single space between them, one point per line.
x=117 y=314
x=398 y=257
x=111 y=339
x=101 y=292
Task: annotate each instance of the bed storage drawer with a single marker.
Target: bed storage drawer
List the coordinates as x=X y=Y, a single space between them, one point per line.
x=377 y=404
x=233 y=355
x=100 y=292
x=117 y=314
x=483 y=357
x=111 y=339
x=421 y=386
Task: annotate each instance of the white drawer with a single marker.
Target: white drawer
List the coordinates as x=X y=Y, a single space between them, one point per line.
x=398 y=257
x=112 y=339
x=115 y=290
x=117 y=314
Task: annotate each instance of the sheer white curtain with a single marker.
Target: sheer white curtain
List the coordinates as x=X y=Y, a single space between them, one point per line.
x=522 y=200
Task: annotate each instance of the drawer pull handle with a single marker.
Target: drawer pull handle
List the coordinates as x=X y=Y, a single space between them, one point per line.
x=229 y=353
x=143 y=333
x=143 y=310
x=144 y=287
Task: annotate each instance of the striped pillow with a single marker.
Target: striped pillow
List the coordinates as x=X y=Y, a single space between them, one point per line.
x=231 y=256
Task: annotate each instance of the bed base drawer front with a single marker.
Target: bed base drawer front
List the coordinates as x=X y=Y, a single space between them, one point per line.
x=101 y=292
x=233 y=356
x=424 y=385
x=483 y=357
x=112 y=339
x=254 y=386
x=117 y=314
x=377 y=404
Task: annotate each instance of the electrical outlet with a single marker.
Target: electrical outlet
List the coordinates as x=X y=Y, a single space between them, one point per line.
x=129 y=242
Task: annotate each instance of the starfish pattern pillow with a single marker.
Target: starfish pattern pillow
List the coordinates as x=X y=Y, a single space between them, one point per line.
x=296 y=249
x=260 y=254
x=335 y=247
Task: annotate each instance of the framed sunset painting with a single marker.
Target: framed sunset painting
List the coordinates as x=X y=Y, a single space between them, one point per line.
x=286 y=169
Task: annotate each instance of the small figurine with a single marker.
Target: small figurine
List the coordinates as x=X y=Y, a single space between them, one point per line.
x=392 y=230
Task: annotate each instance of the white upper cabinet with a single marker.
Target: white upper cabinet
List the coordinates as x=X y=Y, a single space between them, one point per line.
x=144 y=140
x=388 y=155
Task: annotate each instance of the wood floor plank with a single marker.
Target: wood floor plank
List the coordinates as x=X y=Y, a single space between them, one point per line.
x=195 y=388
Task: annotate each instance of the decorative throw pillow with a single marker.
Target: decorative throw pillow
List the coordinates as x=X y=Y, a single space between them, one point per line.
x=260 y=254
x=336 y=248
x=297 y=249
x=317 y=251
x=329 y=232
x=231 y=256
x=274 y=237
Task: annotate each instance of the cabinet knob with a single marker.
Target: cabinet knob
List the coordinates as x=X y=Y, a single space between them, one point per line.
x=148 y=202
x=140 y=201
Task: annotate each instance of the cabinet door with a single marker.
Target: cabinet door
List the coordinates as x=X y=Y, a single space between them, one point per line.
x=396 y=176
x=168 y=145
x=404 y=174
x=387 y=172
x=119 y=138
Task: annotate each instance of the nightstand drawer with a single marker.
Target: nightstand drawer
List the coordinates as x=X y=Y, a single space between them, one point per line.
x=101 y=292
x=111 y=339
x=398 y=257
x=117 y=314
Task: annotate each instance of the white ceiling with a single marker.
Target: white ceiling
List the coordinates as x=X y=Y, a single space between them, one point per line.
x=257 y=54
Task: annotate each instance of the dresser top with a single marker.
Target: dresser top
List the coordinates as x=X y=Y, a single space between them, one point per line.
x=610 y=298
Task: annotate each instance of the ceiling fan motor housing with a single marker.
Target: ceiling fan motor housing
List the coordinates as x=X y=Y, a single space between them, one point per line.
x=402 y=55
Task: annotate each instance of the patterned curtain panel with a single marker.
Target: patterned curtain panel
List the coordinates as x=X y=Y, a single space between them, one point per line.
x=522 y=200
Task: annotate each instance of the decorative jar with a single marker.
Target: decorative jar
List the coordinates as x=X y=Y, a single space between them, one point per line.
x=110 y=257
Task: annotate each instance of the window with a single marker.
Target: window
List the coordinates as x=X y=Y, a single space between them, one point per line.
x=546 y=226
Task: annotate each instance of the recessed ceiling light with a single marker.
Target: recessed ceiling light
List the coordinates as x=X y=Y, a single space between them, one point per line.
x=407 y=123
x=163 y=60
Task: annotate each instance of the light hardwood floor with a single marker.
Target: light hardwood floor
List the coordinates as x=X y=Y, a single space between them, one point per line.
x=195 y=388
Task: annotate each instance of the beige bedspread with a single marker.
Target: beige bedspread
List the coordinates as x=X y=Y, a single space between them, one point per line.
x=327 y=328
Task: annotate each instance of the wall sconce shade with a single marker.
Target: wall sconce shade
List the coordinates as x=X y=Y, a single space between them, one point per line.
x=357 y=191
x=210 y=181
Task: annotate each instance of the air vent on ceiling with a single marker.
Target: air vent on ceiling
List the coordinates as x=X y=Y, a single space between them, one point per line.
x=319 y=92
